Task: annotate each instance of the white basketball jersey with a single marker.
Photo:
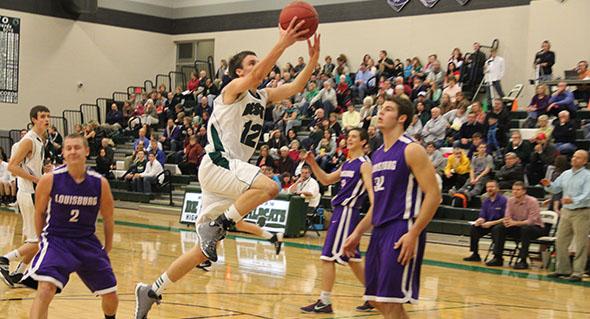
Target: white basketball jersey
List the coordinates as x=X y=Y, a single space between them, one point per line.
x=234 y=130
x=33 y=164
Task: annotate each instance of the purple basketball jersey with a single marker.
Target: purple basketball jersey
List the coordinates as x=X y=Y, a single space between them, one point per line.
x=397 y=193
x=73 y=207
x=352 y=189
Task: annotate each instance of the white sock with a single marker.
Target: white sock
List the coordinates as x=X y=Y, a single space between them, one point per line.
x=233 y=214
x=13 y=255
x=325 y=297
x=266 y=234
x=21 y=267
x=161 y=283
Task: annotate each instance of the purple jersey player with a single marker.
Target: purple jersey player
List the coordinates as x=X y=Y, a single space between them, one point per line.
x=406 y=196
x=68 y=201
x=355 y=183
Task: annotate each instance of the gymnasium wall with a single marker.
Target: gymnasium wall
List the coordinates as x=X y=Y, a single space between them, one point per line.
x=56 y=54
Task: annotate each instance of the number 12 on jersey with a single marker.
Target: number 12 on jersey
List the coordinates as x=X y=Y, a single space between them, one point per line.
x=250 y=134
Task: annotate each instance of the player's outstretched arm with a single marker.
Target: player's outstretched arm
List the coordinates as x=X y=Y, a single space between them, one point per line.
x=24 y=148
x=42 y=193
x=253 y=79
x=321 y=176
x=367 y=222
x=423 y=170
x=288 y=90
x=107 y=207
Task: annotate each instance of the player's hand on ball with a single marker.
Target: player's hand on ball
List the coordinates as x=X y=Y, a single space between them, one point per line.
x=293 y=32
x=351 y=244
x=407 y=243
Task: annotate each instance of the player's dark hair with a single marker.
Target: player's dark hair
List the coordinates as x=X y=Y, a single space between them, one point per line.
x=362 y=133
x=404 y=107
x=236 y=62
x=75 y=136
x=36 y=110
x=519 y=184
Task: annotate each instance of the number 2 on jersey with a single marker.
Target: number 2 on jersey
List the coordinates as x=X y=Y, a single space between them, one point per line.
x=250 y=134
x=75 y=213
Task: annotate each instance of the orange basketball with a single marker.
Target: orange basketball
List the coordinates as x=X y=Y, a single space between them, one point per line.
x=303 y=11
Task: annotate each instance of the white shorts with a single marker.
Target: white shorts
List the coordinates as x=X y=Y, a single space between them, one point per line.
x=26 y=206
x=222 y=183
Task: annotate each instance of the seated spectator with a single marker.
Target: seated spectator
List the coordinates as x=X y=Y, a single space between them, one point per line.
x=127 y=111
x=457 y=170
x=363 y=81
x=476 y=140
x=141 y=138
x=445 y=104
x=107 y=144
x=522 y=148
x=452 y=89
x=286 y=181
x=460 y=100
x=333 y=125
x=104 y=164
x=343 y=94
x=538 y=105
x=202 y=136
x=476 y=109
x=203 y=107
x=435 y=94
x=90 y=135
x=522 y=221
x=375 y=138
x=291 y=118
x=307 y=187
x=326 y=98
x=137 y=167
x=417 y=88
x=494 y=134
x=400 y=81
x=277 y=140
x=54 y=138
x=367 y=111
x=114 y=119
x=561 y=100
x=294 y=150
x=465 y=134
x=423 y=97
x=305 y=104
x=292 y=136
x=544 y=154
x=435 y=129
x=264 y=159
x=325 y=150
x=156 y=148
x=491 y=214
x=7 y=184
x=543 y=126
x=423 y=113
x=436 y=157
x=415 y=128
x=564 y=133
x=285 y=163
x=583 y=91
x=482 y=165
x=455 y=119
x=436 y=74
x=503 y=116
x=193 y=153
x=511 y=172
x=142 y=182
x=574 y=222
x=171 y=139
x=269 y=172
x=351 y=118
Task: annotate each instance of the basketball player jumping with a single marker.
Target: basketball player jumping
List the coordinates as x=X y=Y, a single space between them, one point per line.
x=406 y=196
x=355 y=183
x=67 y=203
x=231 y=186
x=27 y=165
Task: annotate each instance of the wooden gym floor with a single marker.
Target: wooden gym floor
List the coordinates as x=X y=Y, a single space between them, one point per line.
x=250 y=281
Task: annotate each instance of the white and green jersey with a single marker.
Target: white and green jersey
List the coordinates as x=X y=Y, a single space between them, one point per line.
x=33 y=164
x=234 y=130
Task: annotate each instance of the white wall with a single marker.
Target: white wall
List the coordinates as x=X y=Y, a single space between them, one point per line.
x=55 y=54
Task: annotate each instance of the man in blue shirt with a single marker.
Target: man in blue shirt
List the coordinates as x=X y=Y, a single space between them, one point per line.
x=491 y=213
x=364 y=79
x=561 y=100
x=574 y=223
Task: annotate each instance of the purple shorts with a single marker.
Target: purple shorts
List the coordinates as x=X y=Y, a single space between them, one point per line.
x=343 y=222
x=386 y=279
x=58 y=257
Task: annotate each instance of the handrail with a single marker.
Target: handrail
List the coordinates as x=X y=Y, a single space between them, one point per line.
x=162 y=76
x=69 y=115
x=183 y=77
x=90 y=112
